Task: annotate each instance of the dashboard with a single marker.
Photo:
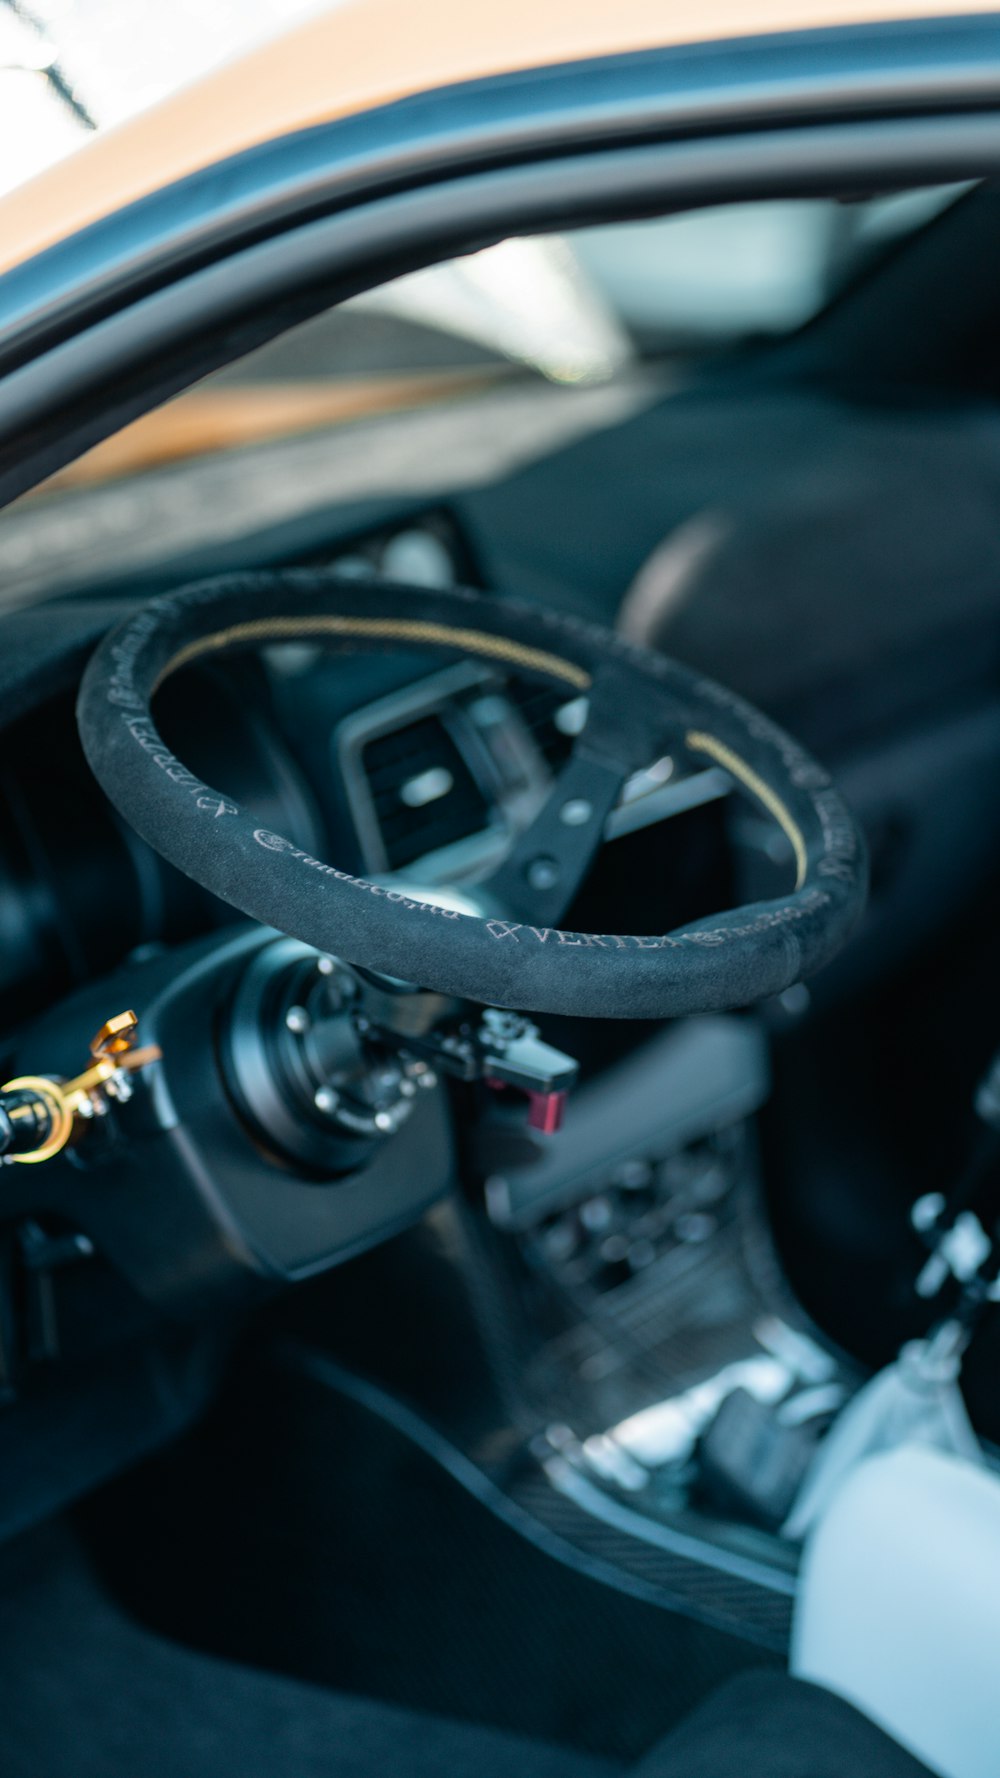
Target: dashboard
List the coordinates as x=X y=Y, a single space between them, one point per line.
x=402 y=764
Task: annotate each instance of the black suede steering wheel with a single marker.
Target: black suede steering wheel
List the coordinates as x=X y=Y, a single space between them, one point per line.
x=640 y=705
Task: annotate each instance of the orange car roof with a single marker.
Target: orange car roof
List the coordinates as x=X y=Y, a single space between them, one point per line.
x=365 y=53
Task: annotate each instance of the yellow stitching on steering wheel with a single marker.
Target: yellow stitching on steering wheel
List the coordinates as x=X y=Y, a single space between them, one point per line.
x=724 y=756
x=269 y=629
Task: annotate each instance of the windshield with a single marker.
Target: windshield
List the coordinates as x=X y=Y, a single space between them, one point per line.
x=610 y=307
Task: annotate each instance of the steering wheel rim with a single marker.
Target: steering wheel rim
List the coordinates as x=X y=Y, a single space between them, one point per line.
x=641 y=703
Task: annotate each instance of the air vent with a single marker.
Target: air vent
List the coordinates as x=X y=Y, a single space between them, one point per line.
x=423 y=793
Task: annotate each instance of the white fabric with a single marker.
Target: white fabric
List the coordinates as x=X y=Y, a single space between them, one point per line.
x=915 y=1401
x=899 y=1609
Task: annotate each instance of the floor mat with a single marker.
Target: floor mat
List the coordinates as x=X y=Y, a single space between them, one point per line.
x=299 y=1532
x=86 y=1693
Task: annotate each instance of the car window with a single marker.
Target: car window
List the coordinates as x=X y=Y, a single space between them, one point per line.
x=655 y=300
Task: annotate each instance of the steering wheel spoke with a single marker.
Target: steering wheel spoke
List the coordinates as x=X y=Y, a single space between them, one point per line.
x=548 y=862
x=627 y=725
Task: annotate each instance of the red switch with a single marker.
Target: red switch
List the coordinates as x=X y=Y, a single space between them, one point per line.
x=545 y=1112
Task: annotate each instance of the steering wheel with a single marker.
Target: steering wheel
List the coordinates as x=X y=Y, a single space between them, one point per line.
x=640 y=704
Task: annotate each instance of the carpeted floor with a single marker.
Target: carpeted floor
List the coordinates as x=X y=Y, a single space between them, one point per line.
x=300 y=1532
x=86 y=1693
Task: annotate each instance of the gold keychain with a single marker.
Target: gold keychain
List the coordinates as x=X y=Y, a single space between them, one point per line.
x=61 y=1103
